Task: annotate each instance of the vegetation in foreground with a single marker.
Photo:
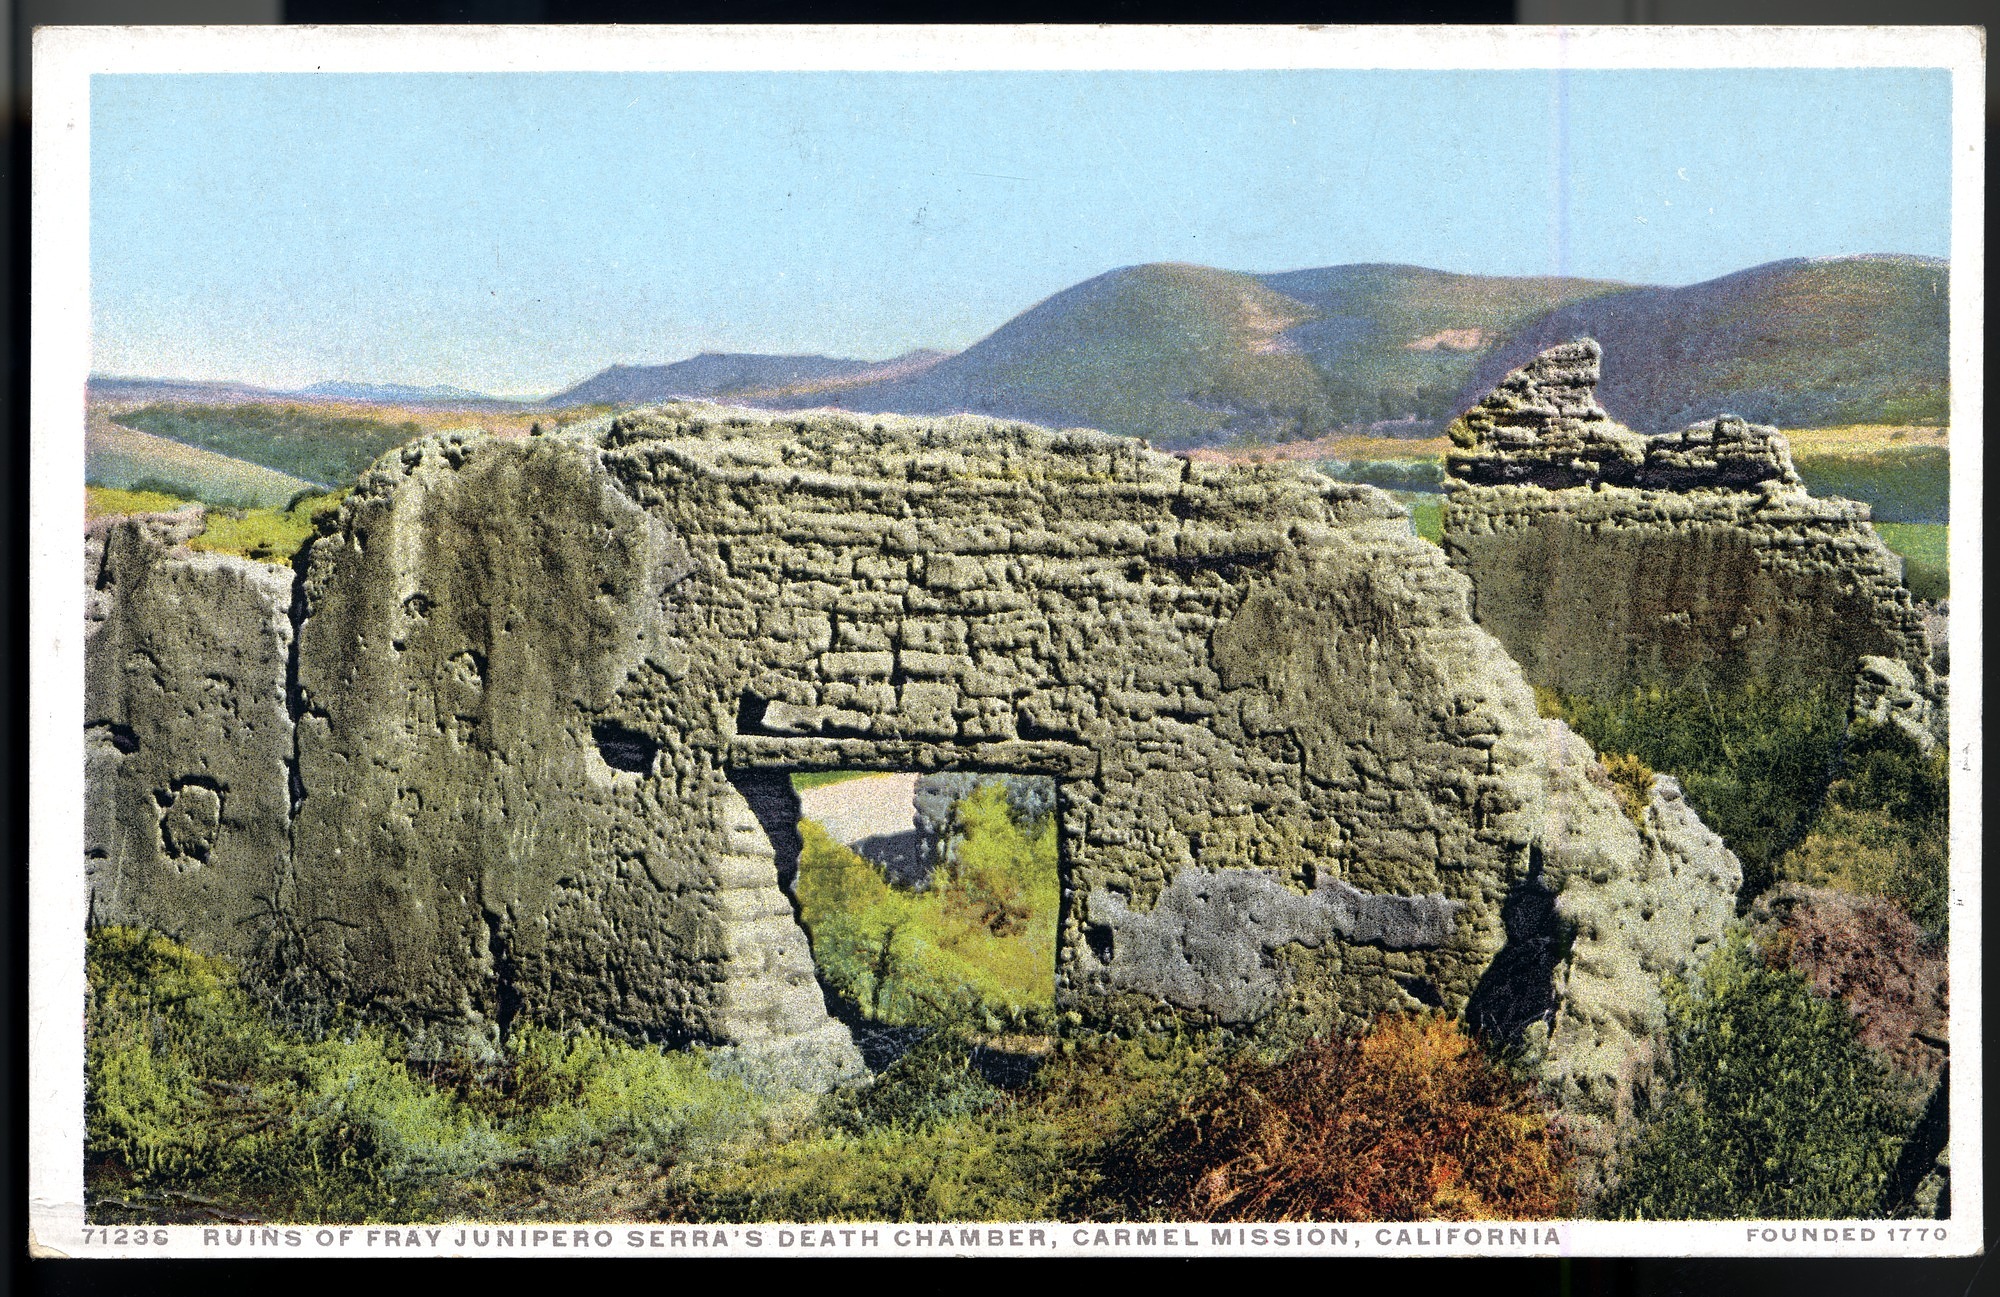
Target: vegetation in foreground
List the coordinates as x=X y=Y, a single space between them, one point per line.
x=1410 y=1122
x=1884 y=828
x=1770 y=1107
x=1796 y=792
x=200 y=1107
x=1755 y=762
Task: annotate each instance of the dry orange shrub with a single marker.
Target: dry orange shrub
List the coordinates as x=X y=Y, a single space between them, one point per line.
x=1410 y=1122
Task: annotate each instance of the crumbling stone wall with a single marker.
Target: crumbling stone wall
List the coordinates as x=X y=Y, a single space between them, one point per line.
x=545 y=695
x=187 y=736
x=1605 y=560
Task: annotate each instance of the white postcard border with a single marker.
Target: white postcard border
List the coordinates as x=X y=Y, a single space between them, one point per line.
x=66 y=58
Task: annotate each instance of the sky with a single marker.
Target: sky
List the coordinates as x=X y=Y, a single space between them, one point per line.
x=514 y=233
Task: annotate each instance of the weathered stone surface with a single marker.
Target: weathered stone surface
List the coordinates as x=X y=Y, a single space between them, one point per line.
x=1635 y=903
x=1541 y=426
x=188 y=742
x=548 y=693
x=1700 y=550
x=1886 y=692
x=1208 y=944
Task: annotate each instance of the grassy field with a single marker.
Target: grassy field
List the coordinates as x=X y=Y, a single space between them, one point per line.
x=125 y=458
x=1926 y=549
x=1898 y=485
x=110 y=502
x=1867 y=439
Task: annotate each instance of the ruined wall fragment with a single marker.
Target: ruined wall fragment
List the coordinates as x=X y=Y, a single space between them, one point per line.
x=187 y=736
x=1605 y=560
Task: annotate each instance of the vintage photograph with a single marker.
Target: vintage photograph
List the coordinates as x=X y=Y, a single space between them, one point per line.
x=1012 y=641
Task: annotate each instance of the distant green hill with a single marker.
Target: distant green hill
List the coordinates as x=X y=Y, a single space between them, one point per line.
x=1800 y=343
x=1178 y=353
x=125 y=458
x=321 y=447
x=732 y=376
x=1187 y=355
x=1396 y=342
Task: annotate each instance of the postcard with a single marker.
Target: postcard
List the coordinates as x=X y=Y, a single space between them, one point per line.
x=1006 y=641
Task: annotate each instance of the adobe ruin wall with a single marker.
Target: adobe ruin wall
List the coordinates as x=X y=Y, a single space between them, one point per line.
x=1606 y=561
x=513 y=743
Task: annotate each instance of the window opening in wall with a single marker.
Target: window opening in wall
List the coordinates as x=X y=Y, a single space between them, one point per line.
x=932 y=903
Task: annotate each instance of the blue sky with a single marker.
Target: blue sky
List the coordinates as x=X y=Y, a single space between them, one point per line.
x=513 y=233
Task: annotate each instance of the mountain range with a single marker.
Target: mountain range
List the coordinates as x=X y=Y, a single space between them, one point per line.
x=1188 y=355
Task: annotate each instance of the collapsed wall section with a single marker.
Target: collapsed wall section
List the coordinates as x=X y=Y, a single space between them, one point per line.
x=187 y=736
x=1607 y=561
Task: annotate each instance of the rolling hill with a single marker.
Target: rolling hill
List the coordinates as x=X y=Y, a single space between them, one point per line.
x=1405 y=339
x=124 y=458
x=1174 y=352
x=735 y=376
x=401 y=394
x=1799 y=343
x=1190 y=356
x=322 y=447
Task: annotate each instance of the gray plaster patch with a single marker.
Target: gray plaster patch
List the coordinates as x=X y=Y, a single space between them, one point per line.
x=1208 y=944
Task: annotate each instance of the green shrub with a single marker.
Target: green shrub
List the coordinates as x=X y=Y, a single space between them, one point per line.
x=189 y=1091
x=1631 y=783
x=1769 y=1107
x=268 y=535
x=1754 y=762
x=1885 y=829
x=976 y=948
x=194 y=1098
x=892 y=1153
x=934 y=1081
